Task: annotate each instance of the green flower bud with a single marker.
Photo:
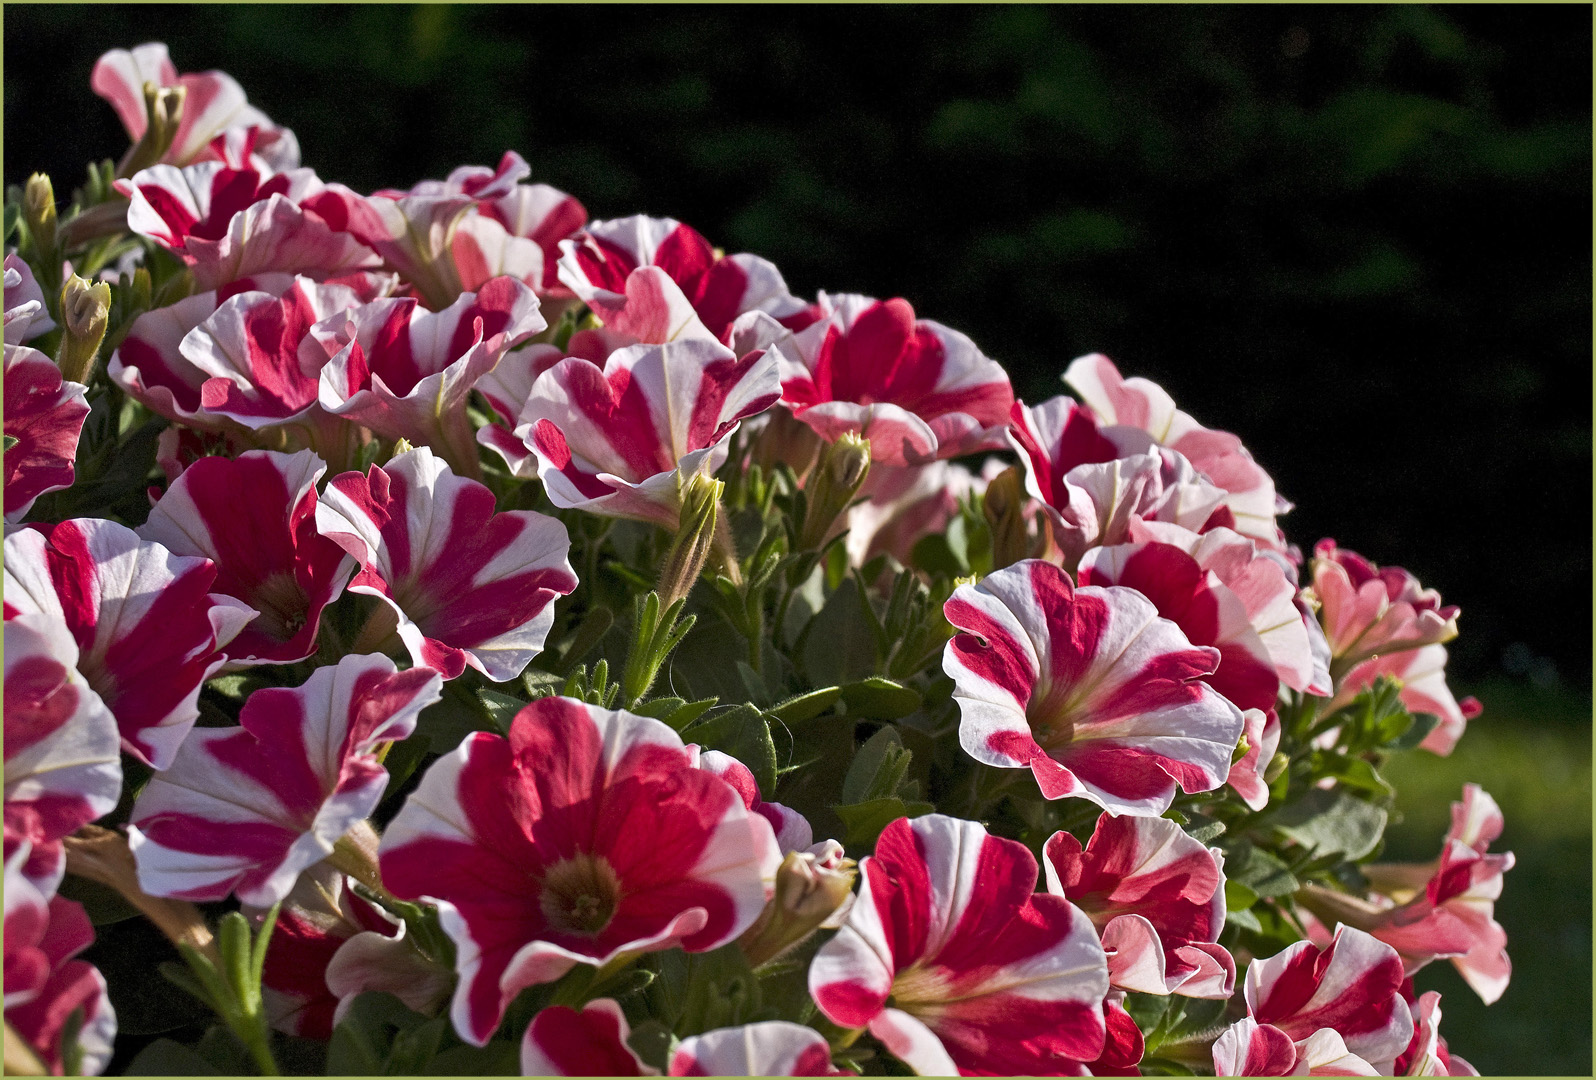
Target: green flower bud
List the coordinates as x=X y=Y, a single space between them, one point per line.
x=694 y=540
x=1004 y=507
x=836 y=480
x=85 y=311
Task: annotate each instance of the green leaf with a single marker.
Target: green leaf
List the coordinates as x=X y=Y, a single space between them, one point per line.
x=876 y=698
x=721 y=991
x=795 y=710
x=166 y=1057
x=1327 y=821
x=445 y=723
x=499 y=1058
x=864 y=821
x=674 y=712
x=839 y=645
x=743 y=733
x=1206 y=829
x=10 y=441
x=13 y=216
x=501 y=708
x=1239 y=897
x=1423 y=724
x=1260 y=871
x=1246 y=920
x=877 y=769
x=362 y=1044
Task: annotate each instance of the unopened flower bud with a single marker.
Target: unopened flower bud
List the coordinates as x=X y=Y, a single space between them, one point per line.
x=85 y=310
x=842 y=469
x=694 y=540
x=1004 y=506
x=38 y=210
x=163 y=105
x=810 y=889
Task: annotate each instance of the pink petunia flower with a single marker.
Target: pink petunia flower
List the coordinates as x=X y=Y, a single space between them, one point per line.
x=915 y=388
x=656 y=280
x=45 y=414
x=230 y=219
x=329 y=947
x=214 y=103
x=1369 y=611
x=464 y=585
x=1262 y=731
x=622 y=439
x=1088 y=688
x=1445 y=908
x=586 y=836
x=244 y=810
x=25 y=314
x=1352 y=986
x=44 y=986
x=562 y=1041
x=148 y=628
x=406 y=372
x=957 y=965
x=1248 y=1048
x=768 y=1048
x=1144 y=406
x=62 y=764
x=1158 y=898
x=792 y=829
x=1427 y=1054
x=255 y=518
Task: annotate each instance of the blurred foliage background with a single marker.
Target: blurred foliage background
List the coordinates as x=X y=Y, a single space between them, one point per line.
x=1358 y=237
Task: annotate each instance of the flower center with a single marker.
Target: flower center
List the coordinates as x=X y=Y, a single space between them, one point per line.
x=580 y=894
x=282 y=605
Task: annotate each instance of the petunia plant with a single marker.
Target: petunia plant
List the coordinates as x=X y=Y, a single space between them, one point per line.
x=475 y=639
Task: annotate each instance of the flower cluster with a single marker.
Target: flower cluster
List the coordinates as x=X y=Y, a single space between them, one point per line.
x=553 y=643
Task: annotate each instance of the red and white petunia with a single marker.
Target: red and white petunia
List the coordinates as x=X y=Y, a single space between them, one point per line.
x=1427 y=1054
x=1088 y=688
x=1368 y=610
x=915 y=388
x=1444 y=908
x=150 y=366
x=244 y=810
x=1141 y=404
x=621 y=440
x=1100 y=504
x=585 y=836
x=562 y=1041
x=330 y=946
x=45 y=414
x=1053 y=438
x=656 y=280
x=233 y=219
x=148 y=628
x=406 y=372
x=1421 y=675
x=1158 y=898
x=63 y=768
x=952 y=959
x=468 y=586
x=1248 y=1048
x=769 y=1048
x=1262 y=731
x=213 y=103
x=792 y=829
x=255 y=518
x=25 y=314
x=1125 y=1046
x=1352 y=986
x=44 y=985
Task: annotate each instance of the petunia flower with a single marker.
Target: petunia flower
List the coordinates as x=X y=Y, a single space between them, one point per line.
x=25 y=314
x=768 y=1048
x=1144 y=406
x=1427 y=1054
x=1353 y=986
x=656 y=280
x=952 y=959
x=1445 y=908
x=407 y=373
x=44 y=414
x=44 y=986
x=244 y=810
x=562 y=1041
x=586 y=836
x=62 y=764
x=1248 y=1048
x=330 y=946
x=1369 y=611
x=1088 y=688
x=1262 y=732
x=232 y=219
x=460 y=584
x=148 y=628
x=255 y=518
x=915 y=388
x=1158 y=898
x=622 y=439
x=213 y=103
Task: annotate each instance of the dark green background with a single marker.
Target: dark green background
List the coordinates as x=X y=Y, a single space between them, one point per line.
x=1359 y=237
